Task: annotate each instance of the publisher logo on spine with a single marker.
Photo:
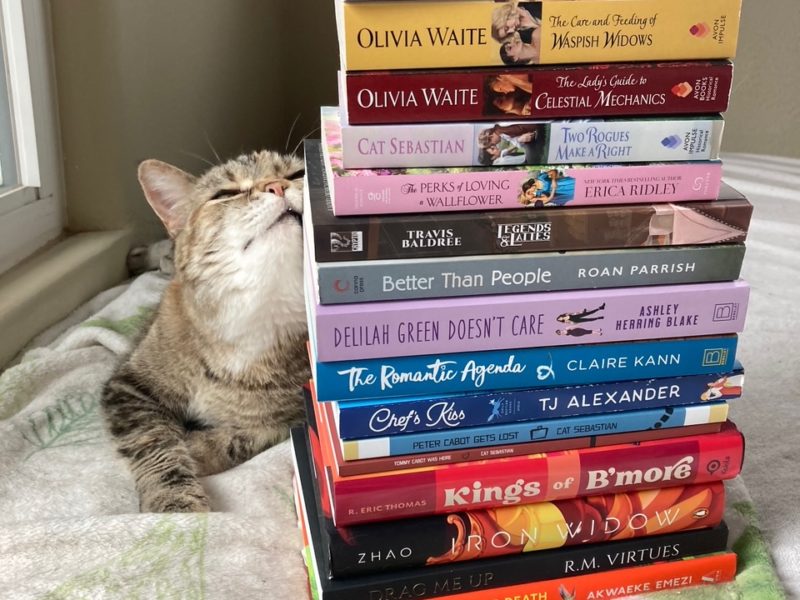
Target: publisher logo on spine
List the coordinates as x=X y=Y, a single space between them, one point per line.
x=683 y=89
x=672 y=142
x=715 y=357
x=514 y=235
x=538 y=433
x=347 y=241
x=728 y=311
x=700 y=30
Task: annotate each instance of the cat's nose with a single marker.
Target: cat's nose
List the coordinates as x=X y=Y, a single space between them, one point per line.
x=273 y=187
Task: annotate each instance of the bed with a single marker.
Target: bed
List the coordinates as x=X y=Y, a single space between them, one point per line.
x=69 y=521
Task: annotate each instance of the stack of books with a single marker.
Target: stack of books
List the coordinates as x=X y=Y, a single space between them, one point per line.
x=522 y=329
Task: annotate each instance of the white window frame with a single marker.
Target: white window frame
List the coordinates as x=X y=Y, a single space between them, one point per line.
x=32 y=213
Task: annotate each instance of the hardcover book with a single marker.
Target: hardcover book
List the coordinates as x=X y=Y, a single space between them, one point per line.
x=375 y=380
x=421 y=327
x=515 y=143
x=562 y=92
x=506 y=530
x=472 y=33
x=725 y=220
x=359 y=420
x=411 y=279
x=436 y=581
x=524 y=186
x=519 y=480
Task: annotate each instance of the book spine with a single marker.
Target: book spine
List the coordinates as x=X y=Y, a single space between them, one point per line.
x=488 y=573
x=564 y=92
x=388 y=35
x=464 y=536
x=419 y=327
x=533 y=143
x=358 y=421
x=537 y=478
x=536 y=566
x=526 y=368
x=398 y=463
x=672 y=575
x=373 y=281
x=524 y=188
x=515 y=433
x=515 y=231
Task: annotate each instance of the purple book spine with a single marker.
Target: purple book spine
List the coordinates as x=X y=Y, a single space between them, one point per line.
x=410 y=328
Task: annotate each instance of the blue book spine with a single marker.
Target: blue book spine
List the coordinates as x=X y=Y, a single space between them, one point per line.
x=359 y=420
x=525 y=368
x=551 y=429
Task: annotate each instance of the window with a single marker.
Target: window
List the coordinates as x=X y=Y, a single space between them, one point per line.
x=31 y=207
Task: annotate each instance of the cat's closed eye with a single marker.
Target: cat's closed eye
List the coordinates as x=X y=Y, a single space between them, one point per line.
x=226 y=193
x=297 y=175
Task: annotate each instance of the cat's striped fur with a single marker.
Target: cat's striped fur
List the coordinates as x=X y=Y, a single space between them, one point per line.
x=216 y=377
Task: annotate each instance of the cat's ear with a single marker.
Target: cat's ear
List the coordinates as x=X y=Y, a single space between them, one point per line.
x=167 y=189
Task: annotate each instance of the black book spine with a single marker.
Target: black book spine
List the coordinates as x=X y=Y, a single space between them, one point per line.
x=516 y=231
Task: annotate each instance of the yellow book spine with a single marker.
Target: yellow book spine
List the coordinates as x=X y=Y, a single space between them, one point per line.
x=475 y=33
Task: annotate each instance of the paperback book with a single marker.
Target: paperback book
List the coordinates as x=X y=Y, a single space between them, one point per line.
x=558 y=428
x=448 y=277
x=450 y=234
x=374 y=380
x=344 y=468
x=322 y=420
x=514 y=143
x=472 y=33
x=424 y=327
x=544 y=92
x=521 y=185
x=359 y=420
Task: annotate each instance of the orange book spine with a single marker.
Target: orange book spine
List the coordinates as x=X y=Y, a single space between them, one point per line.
x=714 y=568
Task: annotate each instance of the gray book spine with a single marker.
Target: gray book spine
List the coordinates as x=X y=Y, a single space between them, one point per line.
x=370 y=281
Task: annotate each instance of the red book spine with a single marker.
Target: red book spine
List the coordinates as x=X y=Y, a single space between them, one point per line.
x=537 y=478
x=595 y=91
x=673 y=575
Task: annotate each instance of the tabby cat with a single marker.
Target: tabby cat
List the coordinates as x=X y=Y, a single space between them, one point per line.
x=215 y=378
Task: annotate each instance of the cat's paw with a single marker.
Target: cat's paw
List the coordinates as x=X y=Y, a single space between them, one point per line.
x=175 y=501
x=158 y=255
x=138 y=260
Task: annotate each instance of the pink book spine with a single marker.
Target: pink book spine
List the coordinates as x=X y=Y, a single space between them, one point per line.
x=392 y=192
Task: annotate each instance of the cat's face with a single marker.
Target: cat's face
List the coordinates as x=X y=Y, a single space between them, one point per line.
x=238 y=235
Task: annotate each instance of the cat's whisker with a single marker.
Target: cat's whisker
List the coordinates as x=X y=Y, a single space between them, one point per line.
x=303 y=139
x=291 y=131
x=210 y=145
x=199 y=157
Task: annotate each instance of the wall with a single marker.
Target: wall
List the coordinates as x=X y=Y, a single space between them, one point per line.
x=170 y=78
x=764 y=116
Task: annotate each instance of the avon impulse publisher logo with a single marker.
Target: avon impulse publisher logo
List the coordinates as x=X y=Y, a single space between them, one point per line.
x=716 y=30
x=672 y=142
x=700 y=30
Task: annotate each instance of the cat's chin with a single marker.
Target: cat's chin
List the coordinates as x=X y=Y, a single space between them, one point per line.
x=288 y=226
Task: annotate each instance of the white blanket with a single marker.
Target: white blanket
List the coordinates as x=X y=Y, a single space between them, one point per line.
x=69 y=522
